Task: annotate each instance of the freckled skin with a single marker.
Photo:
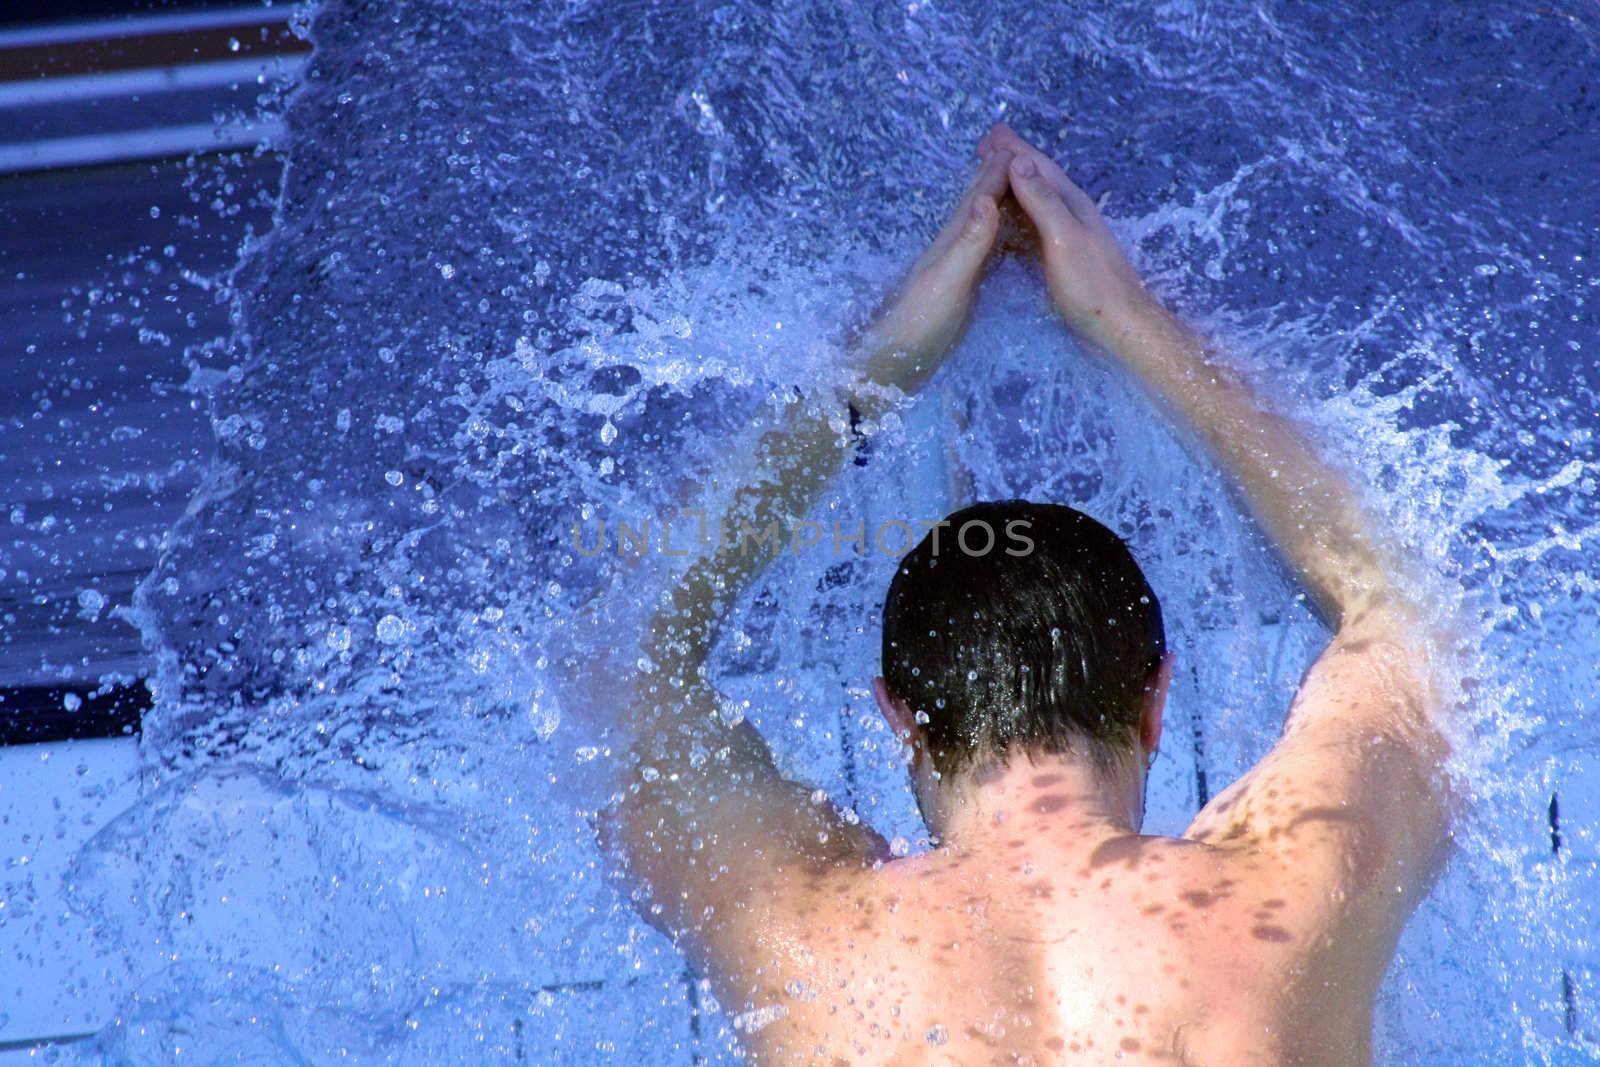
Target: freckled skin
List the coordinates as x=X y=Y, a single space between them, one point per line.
x=1164 y=958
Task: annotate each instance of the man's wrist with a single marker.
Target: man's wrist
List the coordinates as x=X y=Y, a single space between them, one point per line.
x=1133 y=321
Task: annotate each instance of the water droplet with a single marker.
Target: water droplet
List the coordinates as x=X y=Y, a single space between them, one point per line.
x=393 y=477
x=546 y=717
x=391 y=628
x=91 y=602
x=608 y=432
x=72 y=702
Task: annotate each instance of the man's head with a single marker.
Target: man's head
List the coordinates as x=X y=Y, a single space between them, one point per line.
x=1020 y=628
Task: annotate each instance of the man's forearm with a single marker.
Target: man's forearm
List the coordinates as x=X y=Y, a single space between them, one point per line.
x=1305 y=505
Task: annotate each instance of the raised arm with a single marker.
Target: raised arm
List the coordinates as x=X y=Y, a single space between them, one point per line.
x=705 y=820
x=1354 y=790
x=1306 y=506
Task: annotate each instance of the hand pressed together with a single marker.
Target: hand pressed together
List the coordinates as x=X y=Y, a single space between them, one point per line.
x=1019 y=202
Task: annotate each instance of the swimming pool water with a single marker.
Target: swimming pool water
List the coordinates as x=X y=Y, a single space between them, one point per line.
x=532 y=258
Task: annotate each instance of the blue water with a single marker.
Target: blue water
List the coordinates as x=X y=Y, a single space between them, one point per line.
x=534 y=257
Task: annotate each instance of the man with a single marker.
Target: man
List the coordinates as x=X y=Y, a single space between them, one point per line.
x=1029 y=687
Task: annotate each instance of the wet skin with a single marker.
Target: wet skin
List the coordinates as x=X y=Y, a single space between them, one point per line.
x=1049 y=934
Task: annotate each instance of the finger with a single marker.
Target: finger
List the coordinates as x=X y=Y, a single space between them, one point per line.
x=1040 y=199
x=983 y=220
x=986 y=143
x=1080 y=203
x=972 y=235
x=992 y=176
x=1002 y=136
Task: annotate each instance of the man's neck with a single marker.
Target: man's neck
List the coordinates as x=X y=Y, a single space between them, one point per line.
x=1062 y=800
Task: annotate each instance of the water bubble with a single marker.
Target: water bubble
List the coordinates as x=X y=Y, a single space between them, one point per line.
x=394 y=477
x=342 y=420
x=72 y=702
x=585 y=753
x=937 y=1034
x=339 y=638
x=391 y=628
x=448 y=270
x=155 y=212
x=91 y=602
x=921 y=717
x=546 y=716
x=899 y=847
x=608 y=432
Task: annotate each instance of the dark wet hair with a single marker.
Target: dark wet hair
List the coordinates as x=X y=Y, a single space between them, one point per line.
x=1044 y=643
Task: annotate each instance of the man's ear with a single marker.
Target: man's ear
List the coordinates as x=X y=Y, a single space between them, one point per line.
x=1154 y=702
x=899 y=715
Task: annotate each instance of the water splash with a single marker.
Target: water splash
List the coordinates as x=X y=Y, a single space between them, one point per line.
x=530 y=265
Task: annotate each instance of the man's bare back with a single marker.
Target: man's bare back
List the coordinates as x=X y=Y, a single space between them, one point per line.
x=1053 y=940
x=1119 y=955
x=1045 y=928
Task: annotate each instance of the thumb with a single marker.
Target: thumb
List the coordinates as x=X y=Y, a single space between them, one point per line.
x=978 y=231
x=1040 y=200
